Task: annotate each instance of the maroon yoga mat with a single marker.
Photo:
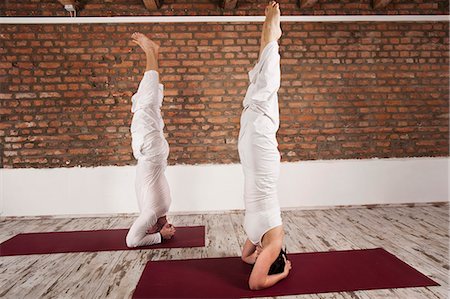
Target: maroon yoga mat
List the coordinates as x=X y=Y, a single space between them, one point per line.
x=315 y=272
x=94 y=240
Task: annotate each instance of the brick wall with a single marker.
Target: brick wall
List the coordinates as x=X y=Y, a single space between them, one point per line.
x=349 y=90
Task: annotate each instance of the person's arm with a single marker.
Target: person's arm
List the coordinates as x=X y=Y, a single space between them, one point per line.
x=166 y=233
x=146 y=240
x=249 y=252
x=150 y=239
x=259 y=278
x=271 y=280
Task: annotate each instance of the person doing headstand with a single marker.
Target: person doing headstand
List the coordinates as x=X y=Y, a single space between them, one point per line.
x=260 y=161
x=151 y=151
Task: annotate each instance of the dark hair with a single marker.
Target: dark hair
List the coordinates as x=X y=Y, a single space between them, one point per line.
x=278 y=265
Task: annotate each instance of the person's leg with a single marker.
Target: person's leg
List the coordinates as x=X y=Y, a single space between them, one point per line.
x=150 y=48
x=271 y=28
x=264 y=146
x=265 y=77
x=257 y=141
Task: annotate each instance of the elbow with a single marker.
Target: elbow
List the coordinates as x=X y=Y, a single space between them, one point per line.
x=256 y=285
x=131 y=243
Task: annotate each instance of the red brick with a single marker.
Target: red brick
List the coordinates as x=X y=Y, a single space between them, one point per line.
x=49 y=65
x=179 y=35
x=352 y=90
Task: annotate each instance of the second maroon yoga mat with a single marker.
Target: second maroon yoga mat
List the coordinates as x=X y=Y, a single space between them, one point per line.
x=95 y=240
x=315 y=272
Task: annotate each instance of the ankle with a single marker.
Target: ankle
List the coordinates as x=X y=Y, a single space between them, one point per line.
x=150 y=54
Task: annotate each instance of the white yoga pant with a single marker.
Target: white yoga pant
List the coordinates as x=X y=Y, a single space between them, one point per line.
x=151 y=150
x=257 y=146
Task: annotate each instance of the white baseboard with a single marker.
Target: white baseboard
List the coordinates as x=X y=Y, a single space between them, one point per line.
x=206 y=188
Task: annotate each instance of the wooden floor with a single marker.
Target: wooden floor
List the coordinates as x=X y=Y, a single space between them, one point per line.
x=417 y=235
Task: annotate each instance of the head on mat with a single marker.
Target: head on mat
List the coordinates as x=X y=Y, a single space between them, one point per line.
x=260 y=160
x=279 y=264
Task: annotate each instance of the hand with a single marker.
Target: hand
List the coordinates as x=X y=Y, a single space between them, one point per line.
x=167 y=231
x=287 y=267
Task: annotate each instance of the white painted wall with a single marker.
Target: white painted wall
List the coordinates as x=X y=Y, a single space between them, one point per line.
x=200 y=188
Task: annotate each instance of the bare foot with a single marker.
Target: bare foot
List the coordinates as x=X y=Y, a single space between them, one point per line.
x=271 y=27
x=145 y=43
